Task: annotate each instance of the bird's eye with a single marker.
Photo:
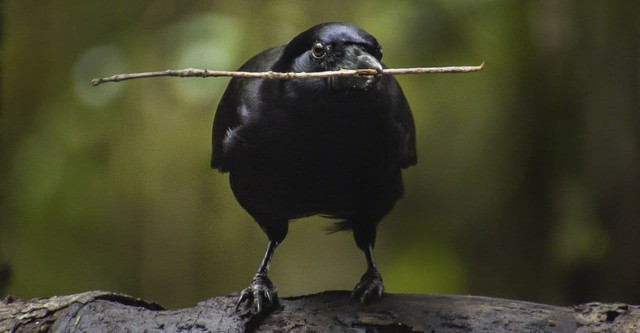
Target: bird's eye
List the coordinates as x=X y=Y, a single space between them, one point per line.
x=318 y=50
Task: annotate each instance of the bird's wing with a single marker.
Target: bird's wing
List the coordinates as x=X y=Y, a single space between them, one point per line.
x=404 y=118
x=406 y=121
x=232 y=109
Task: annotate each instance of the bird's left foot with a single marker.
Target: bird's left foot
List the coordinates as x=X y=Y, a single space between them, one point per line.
x=259 y=299
x=370 y=287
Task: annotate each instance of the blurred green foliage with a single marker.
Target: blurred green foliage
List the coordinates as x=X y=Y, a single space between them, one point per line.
x=528 y=182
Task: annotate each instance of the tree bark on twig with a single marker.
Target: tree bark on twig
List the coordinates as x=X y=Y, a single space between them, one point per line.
x=99 y=311
x=204 y=73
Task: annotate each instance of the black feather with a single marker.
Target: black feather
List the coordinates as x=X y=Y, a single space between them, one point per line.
x=333 y=147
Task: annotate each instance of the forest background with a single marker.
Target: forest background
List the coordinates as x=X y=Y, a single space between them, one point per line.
x=527 y=186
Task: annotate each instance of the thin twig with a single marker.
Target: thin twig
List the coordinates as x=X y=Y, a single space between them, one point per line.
x=193 y=72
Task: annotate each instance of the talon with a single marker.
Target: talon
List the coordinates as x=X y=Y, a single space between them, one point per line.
x=272 y=296
x=244 y=296
x=257 y=302
x=369 y=288
x=259 y=298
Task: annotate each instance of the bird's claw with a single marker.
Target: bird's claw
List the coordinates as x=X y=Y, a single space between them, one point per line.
x=370 y=287
x=259 y=298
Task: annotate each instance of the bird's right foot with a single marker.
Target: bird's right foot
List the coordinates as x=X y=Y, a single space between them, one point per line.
x=370 y=287
x=258 y=299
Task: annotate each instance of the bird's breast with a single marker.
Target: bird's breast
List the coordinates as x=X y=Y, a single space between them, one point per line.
x=332 y=146
x=315 y=159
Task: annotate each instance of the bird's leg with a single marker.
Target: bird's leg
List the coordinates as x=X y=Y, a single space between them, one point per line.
x=261 y=297
x=370 y=287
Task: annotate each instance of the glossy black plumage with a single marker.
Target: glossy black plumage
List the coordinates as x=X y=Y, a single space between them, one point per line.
x=334 y=147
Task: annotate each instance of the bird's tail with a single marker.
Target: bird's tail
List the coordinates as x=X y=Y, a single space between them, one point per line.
x=343 y=225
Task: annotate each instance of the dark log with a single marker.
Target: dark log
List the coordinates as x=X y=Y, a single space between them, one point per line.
x=99 y=311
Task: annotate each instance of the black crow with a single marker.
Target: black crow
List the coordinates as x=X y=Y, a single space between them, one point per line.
x=324 y=146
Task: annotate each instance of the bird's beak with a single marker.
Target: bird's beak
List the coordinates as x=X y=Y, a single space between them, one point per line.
x=356 y=58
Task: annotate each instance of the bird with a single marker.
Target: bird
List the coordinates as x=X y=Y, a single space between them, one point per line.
x=333 y=147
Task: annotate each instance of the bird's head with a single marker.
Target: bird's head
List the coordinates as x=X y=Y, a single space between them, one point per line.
x=331 y=47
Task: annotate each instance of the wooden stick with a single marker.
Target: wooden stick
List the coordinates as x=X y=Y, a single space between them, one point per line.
x=193 y=72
